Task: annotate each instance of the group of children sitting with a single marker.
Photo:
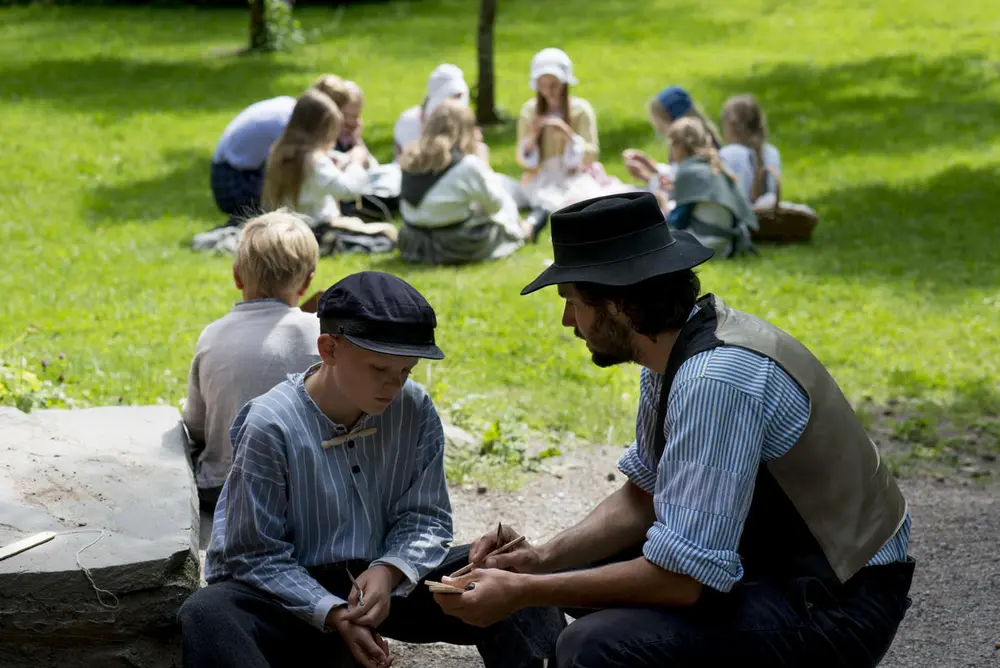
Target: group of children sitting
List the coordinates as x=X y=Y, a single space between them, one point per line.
x=308 y=156
x=324 y=465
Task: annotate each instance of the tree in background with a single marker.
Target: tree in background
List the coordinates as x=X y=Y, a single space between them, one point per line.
x=486 y=111
x=258 y=31
x=272 y=27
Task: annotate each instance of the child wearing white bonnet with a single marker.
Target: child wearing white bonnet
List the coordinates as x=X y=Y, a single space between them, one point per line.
x=557 y=142
x=446 y=81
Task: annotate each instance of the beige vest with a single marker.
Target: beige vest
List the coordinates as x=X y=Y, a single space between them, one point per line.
x=833 y=475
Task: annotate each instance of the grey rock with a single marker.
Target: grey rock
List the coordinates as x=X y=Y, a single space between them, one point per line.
x=123 y=470
x=457 y=437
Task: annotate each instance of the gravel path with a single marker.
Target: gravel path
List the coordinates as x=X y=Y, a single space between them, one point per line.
x=955 y=618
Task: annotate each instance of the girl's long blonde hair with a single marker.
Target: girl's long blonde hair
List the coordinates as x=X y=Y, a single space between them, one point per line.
x=451 y=125
x=745 y=119
x=690 y=135
x=660 y=113
x=314 y=126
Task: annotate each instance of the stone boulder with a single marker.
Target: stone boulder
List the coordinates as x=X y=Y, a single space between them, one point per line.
x=123 y=470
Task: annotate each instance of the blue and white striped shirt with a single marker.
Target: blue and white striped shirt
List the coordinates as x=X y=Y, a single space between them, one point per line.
x=289 y=504
x=729 y=410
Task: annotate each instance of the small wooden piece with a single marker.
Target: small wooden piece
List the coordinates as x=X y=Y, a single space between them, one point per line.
x=25 y=544
x=503 y=548
x=338 y=440
x=442 y=588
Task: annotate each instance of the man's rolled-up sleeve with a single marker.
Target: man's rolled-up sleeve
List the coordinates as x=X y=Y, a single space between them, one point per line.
x=636 y=463
x=705 y=480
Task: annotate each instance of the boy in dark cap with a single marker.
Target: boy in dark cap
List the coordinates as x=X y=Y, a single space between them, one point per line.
x=338 y=474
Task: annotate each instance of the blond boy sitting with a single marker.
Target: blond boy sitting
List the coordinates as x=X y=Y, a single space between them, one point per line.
x=255 y=346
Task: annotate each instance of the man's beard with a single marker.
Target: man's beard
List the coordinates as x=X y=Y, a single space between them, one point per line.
x=610 y=341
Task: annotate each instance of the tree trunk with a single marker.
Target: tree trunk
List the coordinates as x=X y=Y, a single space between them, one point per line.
x=486 y=112
x=258 y=30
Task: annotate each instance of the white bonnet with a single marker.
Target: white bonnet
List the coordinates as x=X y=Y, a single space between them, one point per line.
x=555 y=62
x=445 y=81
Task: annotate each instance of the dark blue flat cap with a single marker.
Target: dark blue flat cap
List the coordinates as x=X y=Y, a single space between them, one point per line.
x=382 y=313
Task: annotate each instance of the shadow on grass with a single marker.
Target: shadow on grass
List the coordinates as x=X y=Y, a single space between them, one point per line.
x=939 y=233
x=893 y=104
x=182 y=191
x=622 y=24
x=145 y=25
x=115 y=87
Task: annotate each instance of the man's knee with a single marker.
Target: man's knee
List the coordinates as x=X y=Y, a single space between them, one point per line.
x=583 y=644
x=619 y=638
x=205 y=606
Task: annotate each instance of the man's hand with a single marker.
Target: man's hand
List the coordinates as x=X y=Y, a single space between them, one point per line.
x=496 y=596
x=367 y=647
x=522 y=559
x=377 y=583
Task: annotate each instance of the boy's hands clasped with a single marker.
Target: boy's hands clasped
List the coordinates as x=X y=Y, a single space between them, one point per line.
x=366 y=646
x=356 y=623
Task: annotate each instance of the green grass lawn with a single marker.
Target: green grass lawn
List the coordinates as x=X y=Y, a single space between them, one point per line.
x=887 y=115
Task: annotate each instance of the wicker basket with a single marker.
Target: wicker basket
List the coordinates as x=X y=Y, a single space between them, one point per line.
x=783 y=224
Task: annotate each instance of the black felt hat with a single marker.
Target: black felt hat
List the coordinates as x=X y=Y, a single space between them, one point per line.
x=382 y=313
x=616 y=240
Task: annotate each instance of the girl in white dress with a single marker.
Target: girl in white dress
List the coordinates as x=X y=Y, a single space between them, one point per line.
x=301 y=174
x=557 y=141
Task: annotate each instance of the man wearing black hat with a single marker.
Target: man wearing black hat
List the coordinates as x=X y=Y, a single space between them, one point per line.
x=336 y=508
x=758 y=526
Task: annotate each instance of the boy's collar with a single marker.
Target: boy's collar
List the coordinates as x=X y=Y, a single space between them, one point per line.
x=264 y=301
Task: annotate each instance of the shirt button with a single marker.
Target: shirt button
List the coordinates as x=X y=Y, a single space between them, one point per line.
x=356 y=468
x=350 y=444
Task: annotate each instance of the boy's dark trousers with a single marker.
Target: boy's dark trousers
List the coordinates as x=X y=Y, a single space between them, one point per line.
x=232 y=624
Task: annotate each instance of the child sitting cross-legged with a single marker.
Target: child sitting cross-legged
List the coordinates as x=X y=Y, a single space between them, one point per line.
x=339 y=473
x=709 y=201
x=256 y=345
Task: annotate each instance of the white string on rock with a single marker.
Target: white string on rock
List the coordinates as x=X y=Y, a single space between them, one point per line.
x=86 y=571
